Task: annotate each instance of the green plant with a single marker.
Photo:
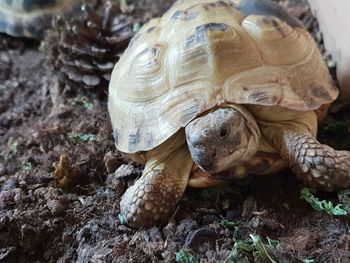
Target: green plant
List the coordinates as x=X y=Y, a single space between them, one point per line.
x=27 y=166
x=255 y=250
x=184 y=256
x=84 y=137
x=344 y=199
x=233 y=226
x=324 y=205
x=14 y=148
x=84 y=102
x=122 y=219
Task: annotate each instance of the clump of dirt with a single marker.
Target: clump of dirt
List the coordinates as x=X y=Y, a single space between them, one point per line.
x=72 y=215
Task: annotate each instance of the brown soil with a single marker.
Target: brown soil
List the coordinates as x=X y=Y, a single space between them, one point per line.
x=72 y=215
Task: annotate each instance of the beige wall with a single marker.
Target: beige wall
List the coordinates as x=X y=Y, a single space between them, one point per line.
x=334 y=19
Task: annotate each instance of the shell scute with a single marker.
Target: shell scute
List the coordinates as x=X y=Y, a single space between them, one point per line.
x=212 y=27
x=267 y=8
x=134 y=139
x=184 y=15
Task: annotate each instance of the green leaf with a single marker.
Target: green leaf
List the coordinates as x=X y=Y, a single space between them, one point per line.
x=122 y=219
x=344 y=199
x=136 y=27
x=84 y=137
x=324 y=205
x=13 y=148
x=255 y=250
x=84 y=102
x=242 y=252
x=185 y=257
x=233 y=226
x=275 y=244
x=265 y=252
x=43 y=47
x=27 y=166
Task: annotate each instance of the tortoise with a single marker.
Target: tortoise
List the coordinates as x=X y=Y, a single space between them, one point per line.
x=29 y=18
x=215 y=86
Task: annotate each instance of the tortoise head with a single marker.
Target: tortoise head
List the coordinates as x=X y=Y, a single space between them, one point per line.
x=222 y=138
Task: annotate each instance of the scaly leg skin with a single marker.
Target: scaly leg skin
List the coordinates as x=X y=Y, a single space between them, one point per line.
x=316 y=164
x=156 y=193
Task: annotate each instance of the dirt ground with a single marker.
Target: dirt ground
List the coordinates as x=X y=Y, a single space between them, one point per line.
x=42 y=119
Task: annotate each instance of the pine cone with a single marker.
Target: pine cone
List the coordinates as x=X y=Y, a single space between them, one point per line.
x=85 y=49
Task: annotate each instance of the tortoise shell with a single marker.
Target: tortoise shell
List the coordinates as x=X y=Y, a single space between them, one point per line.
x=29 y=18
x=202 y=54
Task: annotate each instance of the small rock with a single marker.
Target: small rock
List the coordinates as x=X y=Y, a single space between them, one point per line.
x=249 y=207
x=2 y=168
x=10 y=197
x=124 y=229
x=18 y=195
x=155 y=235
x=169 y=229
x=47 y=193
x=111 y=162
x=57 y=207
x=125 y=170
x=263 y=223
x=10 y=184
x=232 y=215
x=88 y=232
x=61 y=111
x=197 y=238
x=209 y=219
x=115 y=183
x=169 y=247
x=4 y=221
x=186 y=226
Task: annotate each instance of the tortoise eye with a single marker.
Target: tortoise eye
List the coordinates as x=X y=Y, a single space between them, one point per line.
x=224 y=132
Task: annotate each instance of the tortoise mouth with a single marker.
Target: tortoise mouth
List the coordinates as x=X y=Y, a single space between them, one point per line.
x=209 y=168
x=235 y=172
x=224 y=175
x=205 y=162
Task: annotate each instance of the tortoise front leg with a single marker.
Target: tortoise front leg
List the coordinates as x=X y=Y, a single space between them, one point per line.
x=156 y=193
x=316 y=164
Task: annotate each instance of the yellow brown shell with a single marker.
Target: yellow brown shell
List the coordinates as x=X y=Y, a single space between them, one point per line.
x=202 y=54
